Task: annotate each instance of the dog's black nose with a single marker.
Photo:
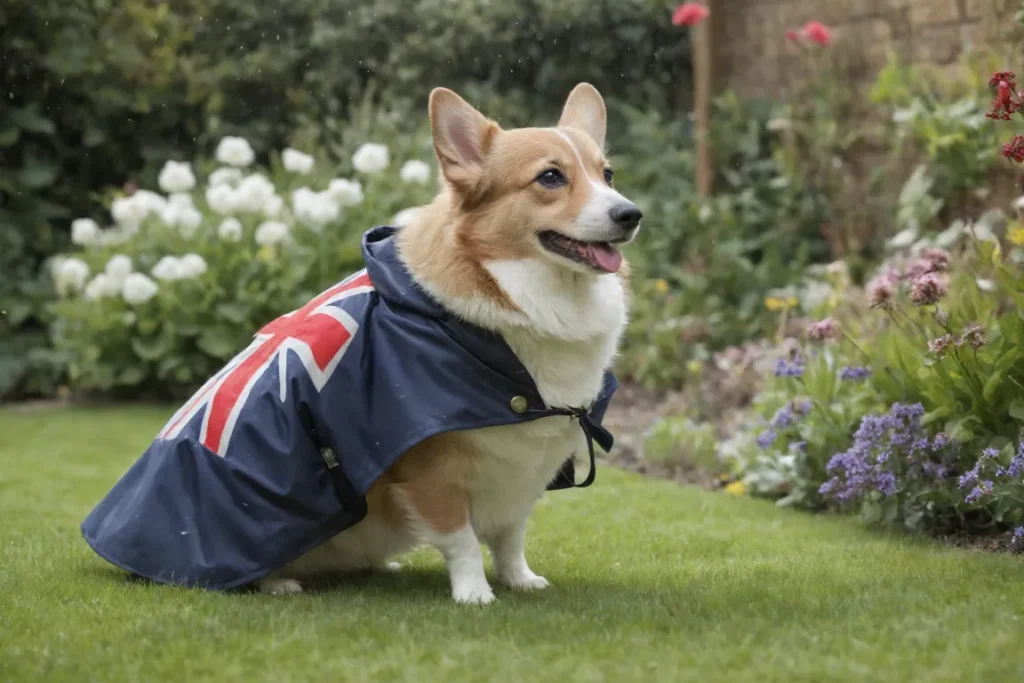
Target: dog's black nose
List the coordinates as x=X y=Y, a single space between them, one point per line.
x=626 y=215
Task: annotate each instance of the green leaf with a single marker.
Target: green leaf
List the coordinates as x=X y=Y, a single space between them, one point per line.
x=131 y=376
x=991 y=386
x=153 y=348
x=235 y=313
x=1017 y=410
x=9 y=136
x=31 y=121
x=218 y=342
x=37 y=174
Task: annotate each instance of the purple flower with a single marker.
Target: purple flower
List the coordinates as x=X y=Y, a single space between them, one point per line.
x=1018 y=533
x=934 y=470
x=940 y=441
x=804 y=407
x=989 y=453
x=968 y=478
x=982 y=489
x=783 y=417
x=885 y=482
x=1016 y=468
x=854 y=373
x=786 y=368
x=766 y=438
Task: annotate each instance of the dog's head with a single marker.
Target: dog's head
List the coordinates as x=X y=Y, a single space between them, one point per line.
x=529 y=192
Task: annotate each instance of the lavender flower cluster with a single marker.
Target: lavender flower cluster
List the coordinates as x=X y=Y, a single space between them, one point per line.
x=983 y=487
x=883 y=447
x=784 y=417
x=788 y=368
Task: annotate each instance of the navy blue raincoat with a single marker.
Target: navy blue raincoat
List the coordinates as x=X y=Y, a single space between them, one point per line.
x=274 y=455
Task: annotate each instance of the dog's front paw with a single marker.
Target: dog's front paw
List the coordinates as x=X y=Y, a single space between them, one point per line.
x=527 y=582
x=280 y=586
x=473 y=592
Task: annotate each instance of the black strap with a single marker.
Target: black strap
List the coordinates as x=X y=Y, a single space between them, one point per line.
x=566 y=477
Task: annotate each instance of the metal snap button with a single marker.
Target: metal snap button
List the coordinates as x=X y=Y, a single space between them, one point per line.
x=519 y=404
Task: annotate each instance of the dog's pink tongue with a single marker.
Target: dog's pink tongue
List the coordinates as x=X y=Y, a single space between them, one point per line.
x=606 y=256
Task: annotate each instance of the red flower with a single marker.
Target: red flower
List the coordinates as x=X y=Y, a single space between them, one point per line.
x=817 y=32
x=1014 y=149
x=1007 y=101
x=690 y=14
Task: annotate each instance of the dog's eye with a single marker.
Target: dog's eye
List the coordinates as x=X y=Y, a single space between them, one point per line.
x=608 y=175
x=551 y=178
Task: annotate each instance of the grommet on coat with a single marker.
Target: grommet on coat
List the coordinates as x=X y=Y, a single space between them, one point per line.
x=519 y=404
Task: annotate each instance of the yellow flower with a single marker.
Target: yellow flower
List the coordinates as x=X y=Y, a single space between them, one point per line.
x=660 y=286
x=694 y=366
x=737 y=488
x=774 y=303
x=266 y=253
x=1016 y=235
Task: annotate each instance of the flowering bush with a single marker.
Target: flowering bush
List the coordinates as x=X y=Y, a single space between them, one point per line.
x=183 y=278
x=936 y=341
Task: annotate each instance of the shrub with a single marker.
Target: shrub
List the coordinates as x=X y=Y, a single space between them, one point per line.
x=100 y=93
x=180 y=283
x=707 y=267
x=937 y=424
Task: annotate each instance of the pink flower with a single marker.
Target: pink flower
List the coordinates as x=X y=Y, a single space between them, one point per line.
x=974 y=336
x=822 y=330
x=792 y=36
x=690 y=14
x=928 y=289
x=940 y=345
x=817 y=32
x=938 y=259
x=881 y=288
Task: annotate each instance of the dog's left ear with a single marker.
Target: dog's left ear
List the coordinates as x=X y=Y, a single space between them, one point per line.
x=585 y=110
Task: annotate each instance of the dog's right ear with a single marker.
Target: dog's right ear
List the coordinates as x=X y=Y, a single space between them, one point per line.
x=462 y=138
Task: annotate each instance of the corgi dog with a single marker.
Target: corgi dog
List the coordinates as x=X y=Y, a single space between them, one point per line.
x=522 y=240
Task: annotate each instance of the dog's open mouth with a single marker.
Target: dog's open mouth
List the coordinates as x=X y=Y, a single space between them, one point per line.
x=600 y=256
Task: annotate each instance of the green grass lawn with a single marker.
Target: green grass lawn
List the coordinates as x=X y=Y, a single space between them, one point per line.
x=650 y=582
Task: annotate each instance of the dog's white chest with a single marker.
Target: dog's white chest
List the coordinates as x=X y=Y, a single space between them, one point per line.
x=513 y=466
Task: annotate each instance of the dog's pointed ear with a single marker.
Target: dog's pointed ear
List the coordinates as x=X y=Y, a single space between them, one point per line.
x=462 y=138
x=585 y=111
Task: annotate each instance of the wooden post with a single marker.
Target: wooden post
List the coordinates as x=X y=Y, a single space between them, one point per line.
x=701 y=59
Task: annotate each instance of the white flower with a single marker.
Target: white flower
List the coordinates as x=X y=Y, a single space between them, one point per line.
x=230 y=230
x=138 y=289
x=84 y=232
x=901 y=116
x=778 y=124
x=1019 y=204
x=129 y=212
x=150 y=201
x=273 y=206
x=371 y=158
x=235 y=151
x=99 y=287
x=405 y=216
x=296 y=162
x=176 y=176
x=192 y=265
x=118 y=268
x=271 y=232
x=314 y=208
x=70 y=275
x=180 y=200
x=346 y=192
x=986 y=285
x=221 y=199
x=187 y=218
x=225 y=176
x=415 y=171
x=168 y=268
x=253 y=193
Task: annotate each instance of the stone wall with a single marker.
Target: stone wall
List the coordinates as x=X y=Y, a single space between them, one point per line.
x=751 y=55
